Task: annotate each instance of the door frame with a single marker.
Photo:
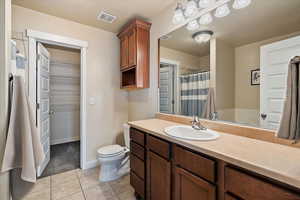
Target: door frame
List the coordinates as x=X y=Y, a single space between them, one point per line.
x=176 y=65
x=48 y=38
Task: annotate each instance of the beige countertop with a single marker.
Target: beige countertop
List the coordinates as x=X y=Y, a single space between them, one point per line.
x=276 y=161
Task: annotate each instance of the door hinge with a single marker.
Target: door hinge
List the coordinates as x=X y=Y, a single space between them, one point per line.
x=37 y=106
x=173 y=102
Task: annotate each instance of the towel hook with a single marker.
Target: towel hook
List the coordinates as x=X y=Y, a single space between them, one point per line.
x=10 y=77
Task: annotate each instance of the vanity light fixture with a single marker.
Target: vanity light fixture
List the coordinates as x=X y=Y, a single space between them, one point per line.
x=203 y=36
x=205 y=3
x=222 y=11
x=191 y=8
x=205 y=19
x=178 y=15
x=239 y=4
x=192 y=25
x=187 y=11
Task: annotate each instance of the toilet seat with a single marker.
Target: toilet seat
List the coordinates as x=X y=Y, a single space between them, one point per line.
x=110 y=151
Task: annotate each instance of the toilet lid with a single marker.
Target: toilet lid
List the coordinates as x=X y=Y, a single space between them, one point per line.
x=110 y=150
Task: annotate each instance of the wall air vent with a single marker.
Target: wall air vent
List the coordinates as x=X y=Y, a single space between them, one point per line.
x=106 y=17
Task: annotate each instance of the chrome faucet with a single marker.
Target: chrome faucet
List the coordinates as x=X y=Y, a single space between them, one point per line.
x=196 y=124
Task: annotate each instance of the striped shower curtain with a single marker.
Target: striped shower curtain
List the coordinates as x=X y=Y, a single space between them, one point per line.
x=193 y=93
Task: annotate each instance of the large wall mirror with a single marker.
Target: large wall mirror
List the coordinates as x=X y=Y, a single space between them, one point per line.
x=233 y=69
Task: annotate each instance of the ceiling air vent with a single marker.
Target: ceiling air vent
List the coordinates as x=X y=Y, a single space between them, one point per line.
x=106 y=17
x=166 y=37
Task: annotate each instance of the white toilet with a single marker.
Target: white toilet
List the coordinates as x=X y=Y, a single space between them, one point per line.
x=114 y=159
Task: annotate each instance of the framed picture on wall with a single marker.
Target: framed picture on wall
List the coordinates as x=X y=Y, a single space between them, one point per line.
x=255 y=77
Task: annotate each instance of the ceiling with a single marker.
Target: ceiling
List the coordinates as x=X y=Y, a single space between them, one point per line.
x=263 y=19
x=86 y=11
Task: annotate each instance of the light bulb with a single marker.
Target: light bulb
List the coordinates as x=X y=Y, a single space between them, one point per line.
x=178 y=15
x=191 y=9
x=192 y=25
x=239 y=4
x=222 y=11
x=205 y=19
x=204 y=3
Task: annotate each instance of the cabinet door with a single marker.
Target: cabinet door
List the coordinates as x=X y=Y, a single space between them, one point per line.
x=191 y=187
x=158 y=178
x=132 y=48
x=124 y=52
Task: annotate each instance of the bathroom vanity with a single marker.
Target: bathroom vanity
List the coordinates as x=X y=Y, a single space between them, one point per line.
x=229 y=168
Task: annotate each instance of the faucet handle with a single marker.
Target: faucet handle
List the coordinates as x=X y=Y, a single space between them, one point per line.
x=195 y=118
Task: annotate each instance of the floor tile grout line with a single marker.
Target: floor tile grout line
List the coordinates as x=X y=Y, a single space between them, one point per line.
x=50 y=187
x=83 y=193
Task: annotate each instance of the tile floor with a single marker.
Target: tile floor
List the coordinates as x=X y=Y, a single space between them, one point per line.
x=80 y=185
x=64 y=157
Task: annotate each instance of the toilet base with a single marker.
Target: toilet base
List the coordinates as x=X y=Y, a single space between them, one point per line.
x=113 y=171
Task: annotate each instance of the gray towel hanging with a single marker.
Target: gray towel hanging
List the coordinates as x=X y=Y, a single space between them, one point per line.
x=290 y=120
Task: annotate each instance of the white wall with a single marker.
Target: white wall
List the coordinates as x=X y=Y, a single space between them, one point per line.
x=5 y=25
x=188 y=63
x=105 y=118
x=224 y=79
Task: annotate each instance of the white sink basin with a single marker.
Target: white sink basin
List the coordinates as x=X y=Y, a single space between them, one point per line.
x=188 y=133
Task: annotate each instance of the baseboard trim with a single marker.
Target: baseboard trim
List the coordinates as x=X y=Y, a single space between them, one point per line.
x=91 y=164
x=64 y=140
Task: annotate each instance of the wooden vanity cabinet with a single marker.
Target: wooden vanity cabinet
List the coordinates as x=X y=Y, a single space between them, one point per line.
x=158 y=169
x=250 y=187
x=161 y=170
x=135 y=54
x=137 y=162
x=195 y=175
x=158 y=177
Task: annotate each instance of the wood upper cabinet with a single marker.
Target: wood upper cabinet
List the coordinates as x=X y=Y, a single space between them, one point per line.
x=158 y=178
x=132 y=48
x=124 y=52
x=191 y=187
x=135 y=54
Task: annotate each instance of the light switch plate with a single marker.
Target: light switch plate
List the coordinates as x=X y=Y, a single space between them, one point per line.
x=92 y=101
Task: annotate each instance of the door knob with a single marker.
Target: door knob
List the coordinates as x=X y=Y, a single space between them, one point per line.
x=263 y=116
x=51 y=112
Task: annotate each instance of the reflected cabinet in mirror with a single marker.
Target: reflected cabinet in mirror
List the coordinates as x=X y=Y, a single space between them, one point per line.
x=235 y=67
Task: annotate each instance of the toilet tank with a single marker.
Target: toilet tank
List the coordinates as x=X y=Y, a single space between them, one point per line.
x=126 y=130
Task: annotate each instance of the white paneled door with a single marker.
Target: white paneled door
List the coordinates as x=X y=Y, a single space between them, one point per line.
x=43 y=102
x=166 y=89
x=275 y=59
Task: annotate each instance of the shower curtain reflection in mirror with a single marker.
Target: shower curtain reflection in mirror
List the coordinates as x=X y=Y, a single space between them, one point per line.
x=193 y=93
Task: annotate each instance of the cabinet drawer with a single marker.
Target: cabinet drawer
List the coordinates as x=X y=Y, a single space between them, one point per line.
x=137 y=136
x=137 y=150
x=159 y=146
x=249 y=187
x=195 y=163
x=137 y=166
x=138 y=184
